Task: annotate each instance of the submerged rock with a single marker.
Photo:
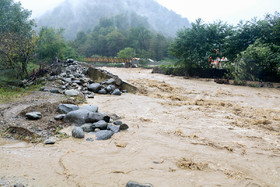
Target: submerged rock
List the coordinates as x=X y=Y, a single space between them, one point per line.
x=104 y=134
x=78 y=132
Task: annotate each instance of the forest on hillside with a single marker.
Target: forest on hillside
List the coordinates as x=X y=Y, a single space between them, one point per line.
x=81 y=15
x=251 y=47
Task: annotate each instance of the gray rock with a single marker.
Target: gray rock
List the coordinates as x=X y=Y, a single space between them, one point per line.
x=63 y=87
x=72 y=93
x=68 y=80
x=65 y=108
x=102 y=91
x=136 y=184
x=100 y=125
x=85 y=71
x=90 y=96
x=118 y=81
x=110 y=88
x=33 y=115
x=80 y=117
x=92 y=108
x=124 y=127
x=52 y=78
x=107 y=118
x=88 y=127
x=114 y=116
x=118 y=123
x=54 y=91
x=113 y=128
x=51 y=140
x=90 y=139
x=77 y=82
x=104 y=135
x=117 y=92
x=110 y=81
x=95 y=87
x=59 y=117
x=97 y=117
x=19 y=185
x=42 y=89
x=78 y=132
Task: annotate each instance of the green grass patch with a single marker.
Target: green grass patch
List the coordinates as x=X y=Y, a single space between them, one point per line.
x=8 y=95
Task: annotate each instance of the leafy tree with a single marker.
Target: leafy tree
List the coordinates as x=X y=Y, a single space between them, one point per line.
x=126 y=53
x=258 y=62
x=140 y=38
x=193 y=46
x=17 y=41
x=115 y=42
x=52 y=46
x=158 y=47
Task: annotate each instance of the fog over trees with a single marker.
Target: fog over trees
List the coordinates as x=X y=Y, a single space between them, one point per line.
x=81 y=15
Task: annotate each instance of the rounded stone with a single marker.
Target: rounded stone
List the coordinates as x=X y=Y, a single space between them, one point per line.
x=78 y=132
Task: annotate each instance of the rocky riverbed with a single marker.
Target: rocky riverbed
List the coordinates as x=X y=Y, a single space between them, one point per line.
x=182 y=132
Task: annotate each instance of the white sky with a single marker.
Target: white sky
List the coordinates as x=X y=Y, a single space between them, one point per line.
x=230 y=11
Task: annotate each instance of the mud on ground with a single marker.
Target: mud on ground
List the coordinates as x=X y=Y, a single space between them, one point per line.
x=15 y=125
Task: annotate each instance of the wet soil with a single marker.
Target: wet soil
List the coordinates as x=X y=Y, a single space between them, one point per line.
x=183 y=132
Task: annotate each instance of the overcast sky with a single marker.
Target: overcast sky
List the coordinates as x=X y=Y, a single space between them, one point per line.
x=230 y=11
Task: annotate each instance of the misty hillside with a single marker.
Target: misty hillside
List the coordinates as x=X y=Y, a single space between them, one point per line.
x=81 y=15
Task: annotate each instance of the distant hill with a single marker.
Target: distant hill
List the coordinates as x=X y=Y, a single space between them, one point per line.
x=82 y=15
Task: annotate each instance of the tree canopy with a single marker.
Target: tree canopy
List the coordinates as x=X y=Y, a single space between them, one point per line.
x=252 y=47
x=17 y=40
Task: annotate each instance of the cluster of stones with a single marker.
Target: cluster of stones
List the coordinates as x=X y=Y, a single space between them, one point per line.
x=87 y=119
x=73 y=81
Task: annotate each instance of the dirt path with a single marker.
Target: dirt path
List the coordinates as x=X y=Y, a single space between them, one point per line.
x=183 y=132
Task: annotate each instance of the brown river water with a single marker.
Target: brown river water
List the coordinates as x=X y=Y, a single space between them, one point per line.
x=183 y=132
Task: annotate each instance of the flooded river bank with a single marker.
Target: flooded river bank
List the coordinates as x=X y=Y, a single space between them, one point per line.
x=183 y=132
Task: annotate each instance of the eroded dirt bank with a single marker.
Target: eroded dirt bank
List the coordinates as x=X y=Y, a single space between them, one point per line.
x=183 y=132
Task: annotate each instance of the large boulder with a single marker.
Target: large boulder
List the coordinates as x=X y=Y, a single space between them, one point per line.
x=79 y=117
x=104 y=134
x=92 y=108
x=33 y=115
x=65 y=108
x=95 y=87
x=78 y=132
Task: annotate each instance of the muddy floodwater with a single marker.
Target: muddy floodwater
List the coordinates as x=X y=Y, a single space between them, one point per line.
x=183 y=132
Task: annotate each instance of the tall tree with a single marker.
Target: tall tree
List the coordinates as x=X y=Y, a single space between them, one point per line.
x=17 y=40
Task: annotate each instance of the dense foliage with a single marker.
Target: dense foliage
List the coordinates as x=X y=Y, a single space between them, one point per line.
x=252 y=48
x=113 y=35
x=17 y=40
x=52 y=46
